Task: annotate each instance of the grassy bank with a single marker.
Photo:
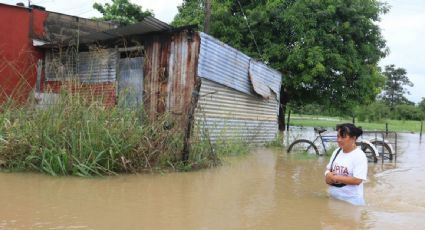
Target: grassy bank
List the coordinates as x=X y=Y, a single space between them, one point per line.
x=76 y=136
x=321 y=121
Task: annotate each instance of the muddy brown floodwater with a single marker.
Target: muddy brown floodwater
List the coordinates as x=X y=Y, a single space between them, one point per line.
x=266 y=189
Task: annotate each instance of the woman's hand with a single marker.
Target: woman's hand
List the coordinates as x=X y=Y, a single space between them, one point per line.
x=329 y=177
x=332 y=178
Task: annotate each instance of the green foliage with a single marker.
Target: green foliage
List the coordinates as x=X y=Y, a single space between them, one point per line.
x=190 y=13
x=394 y=90
x=407 y=112
x=122 y=11
x=78 y=136
x=277 y=141
x=210 y=153
x=421 y=105
x=375 y=112
x=327 y=50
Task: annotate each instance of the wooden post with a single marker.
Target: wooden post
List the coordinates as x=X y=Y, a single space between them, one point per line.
x=420 y=133
x=386 y=128
x=289 y=118
x=39 y=71
x=190 y=121
x=354 y=120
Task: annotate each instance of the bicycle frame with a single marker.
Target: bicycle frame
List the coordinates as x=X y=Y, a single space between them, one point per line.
x=323 y=138
x=326 y=138
x=329 y=138
x=305 y=145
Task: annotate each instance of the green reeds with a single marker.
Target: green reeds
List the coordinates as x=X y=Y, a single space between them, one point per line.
x=79 y=136
x=76 y=136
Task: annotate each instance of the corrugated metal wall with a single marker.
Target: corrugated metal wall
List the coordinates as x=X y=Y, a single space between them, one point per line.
x=227 y=113
x=264 y=79
x=223 y=64
x=88 y=67
x=239 y=96
x=170 y=73
x=91 y=74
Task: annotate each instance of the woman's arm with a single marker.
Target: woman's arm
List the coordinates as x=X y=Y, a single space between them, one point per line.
x=342 y=179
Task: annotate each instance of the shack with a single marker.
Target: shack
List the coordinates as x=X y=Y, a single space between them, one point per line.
x=189 y=74
x=23 y=29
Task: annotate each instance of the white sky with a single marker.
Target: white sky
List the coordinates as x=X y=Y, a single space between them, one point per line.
x=403 y=28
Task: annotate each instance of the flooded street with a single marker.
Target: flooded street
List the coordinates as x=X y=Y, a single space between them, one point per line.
x=264 y=190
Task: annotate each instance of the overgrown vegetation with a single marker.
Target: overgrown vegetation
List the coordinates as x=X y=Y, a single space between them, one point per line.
x=82 y=137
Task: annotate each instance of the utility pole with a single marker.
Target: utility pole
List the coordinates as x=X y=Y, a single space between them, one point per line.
x=207 y=16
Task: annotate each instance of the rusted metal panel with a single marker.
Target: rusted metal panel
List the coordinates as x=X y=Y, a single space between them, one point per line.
x=170 y=72
x=226 y=113
x=148 y=25
x=182 y=65
x=154 y=72
x=61 y=27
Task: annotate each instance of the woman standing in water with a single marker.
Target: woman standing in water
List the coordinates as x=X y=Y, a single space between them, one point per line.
x=347 y=168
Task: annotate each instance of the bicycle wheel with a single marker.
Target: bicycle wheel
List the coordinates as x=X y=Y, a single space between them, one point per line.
x=303 y=146
x=384 y=149
x=370 y=153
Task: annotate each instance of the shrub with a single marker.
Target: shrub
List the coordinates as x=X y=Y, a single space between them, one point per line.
x=407 y=112
x=374 y=112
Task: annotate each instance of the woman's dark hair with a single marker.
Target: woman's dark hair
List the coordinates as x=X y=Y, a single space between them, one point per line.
x=349 y=129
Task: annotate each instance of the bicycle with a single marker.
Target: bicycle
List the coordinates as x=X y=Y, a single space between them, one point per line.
x=309 y=147
x=385 y=149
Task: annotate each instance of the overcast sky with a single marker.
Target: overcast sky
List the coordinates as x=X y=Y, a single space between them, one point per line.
x=403 y=28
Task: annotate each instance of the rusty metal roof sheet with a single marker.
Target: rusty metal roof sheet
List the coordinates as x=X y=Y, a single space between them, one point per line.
x=148 y=25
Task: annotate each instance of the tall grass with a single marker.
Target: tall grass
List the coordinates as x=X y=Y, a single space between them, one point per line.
x=76 y=136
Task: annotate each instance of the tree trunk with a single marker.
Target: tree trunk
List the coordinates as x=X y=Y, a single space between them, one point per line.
x=207 y=16
x=190 y=122
x=282 y=108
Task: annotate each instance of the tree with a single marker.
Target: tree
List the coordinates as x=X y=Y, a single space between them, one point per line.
x=407 y=112
x=327 y=50
x=394 y=90
x=374 y=112
x=122 y=11
x=421 y=105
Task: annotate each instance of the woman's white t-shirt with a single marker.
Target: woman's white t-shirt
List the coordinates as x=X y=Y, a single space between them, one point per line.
x=352 y=164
